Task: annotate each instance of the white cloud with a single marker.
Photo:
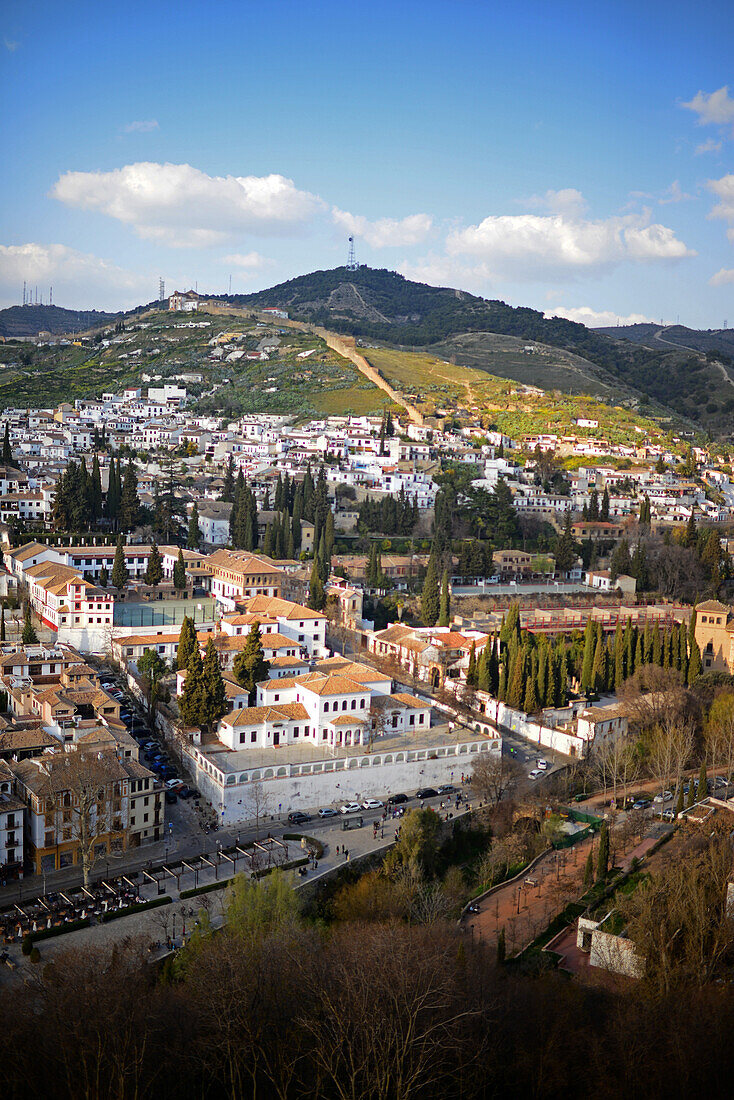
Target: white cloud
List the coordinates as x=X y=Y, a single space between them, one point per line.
x=181 y=206
x=724 y=209
x=143 y=126
x=568 y=202
x=722 y=277
x=443 y=271
x=11 y=45
x=708 y=146
x=712 y=108
x=594 y=318
x=674 y=193
x=79 y=279
x=531 y=246
x=252 y=261
x=385 y=232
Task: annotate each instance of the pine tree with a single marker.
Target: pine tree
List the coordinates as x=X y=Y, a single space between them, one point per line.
x=250 y=666
x=29 y=636
x=179 y=572
x=214 y=697
x=187 y=643
x=602 y=859
x=317 y=596
x=430 y=600
x=119 y=569
x=193 y=541
x=154 y=569
x=191 y=703
x=444 y=616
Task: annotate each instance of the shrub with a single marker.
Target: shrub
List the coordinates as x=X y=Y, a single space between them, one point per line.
x=192 y=893
x=27 y=945
x=35 y=955
x=137 y=908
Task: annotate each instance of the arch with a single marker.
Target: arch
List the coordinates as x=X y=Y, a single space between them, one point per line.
x=254 y=775
x=364 y=762
x=231 y=779
x=376 y=760
x=243 y=777
x=388 y=759
x=399 y=758
x=282 y=771
x=268 y=773
x=353 y=763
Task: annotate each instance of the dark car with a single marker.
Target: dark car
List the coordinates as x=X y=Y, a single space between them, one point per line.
x=185 y=792
x=297 y=817
x=171 y=797
x=426 y=792
x=396 y=799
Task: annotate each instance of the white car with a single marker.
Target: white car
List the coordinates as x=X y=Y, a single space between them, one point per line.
x=350 y=808
x=372 y=804
x=534 y=773
x=667 y=796
x=543 y=765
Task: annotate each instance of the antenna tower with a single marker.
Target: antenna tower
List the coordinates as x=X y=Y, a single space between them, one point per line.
x=161 y=289
x=50 y=295
x=25 y=293
x=352 y=264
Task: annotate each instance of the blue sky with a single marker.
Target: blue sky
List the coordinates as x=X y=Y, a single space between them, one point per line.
x=574 y=157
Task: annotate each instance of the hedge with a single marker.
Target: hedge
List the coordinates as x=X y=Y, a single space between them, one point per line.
x=312 y=842
x=139 y=907
x=194 y=890
x=56 y=930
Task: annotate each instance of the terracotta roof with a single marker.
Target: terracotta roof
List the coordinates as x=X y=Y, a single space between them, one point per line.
x=249 y=716
x=411 y=700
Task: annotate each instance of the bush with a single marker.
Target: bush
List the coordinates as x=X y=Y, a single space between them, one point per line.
x=35 y=955
x=49 y=933
x=27 y=945
x=137 y=908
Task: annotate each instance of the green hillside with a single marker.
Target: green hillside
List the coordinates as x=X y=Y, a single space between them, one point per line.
x=30 y=320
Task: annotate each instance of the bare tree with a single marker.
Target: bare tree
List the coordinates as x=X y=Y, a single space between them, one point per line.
x=719 y=733
x=258 y=800
x=493 y=776
x=88 y=796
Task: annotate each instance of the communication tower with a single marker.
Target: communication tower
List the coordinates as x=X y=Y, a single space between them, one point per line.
x=50 y=295
x=352 y=264
x=161 y=289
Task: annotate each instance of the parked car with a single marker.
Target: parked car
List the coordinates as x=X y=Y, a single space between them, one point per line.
x=720 y=782
x=535 y=773
x=666 y=796
x=174 y=784
x=327 y=811
x=641 y=804
x=350 y=808
x=446 y=788
x=297 y=817
x=543 y=765
x=669 y=814
x=171 y=797
x=396 y=799
x=372 y=804
x=185 y=792
x=426 y=792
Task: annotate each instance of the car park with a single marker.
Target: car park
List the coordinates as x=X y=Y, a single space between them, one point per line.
x=327 y=811
x=350 y=808
x=297 y=817
x=426 y=792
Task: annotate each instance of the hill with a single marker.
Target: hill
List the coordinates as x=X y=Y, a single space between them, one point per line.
x=715 y=342
x=380 y=306
x=30 y=320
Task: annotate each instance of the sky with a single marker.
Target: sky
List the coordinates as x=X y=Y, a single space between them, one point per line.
x=577 y=158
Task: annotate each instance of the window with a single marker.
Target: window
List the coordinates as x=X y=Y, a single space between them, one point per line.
x=295 y=731
x=145 y=817
x=253 y=736
x=354 y=704
x=48 y=840
x=326 y=708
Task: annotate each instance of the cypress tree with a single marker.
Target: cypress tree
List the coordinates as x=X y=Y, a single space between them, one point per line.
x=214 y=698
x=691 y=799
x=587 y=665
x=657 y=646
x=228 y=484
x=530 y=698
x=250 y=666
x=597 y=666
x=541 y=682
x=187 y=643
x=103 y=577
x=7 y=452
x=154 y=569
x=179 y=572
x=602 y=859
x=618 y=657
x=95 y=490
x=191 y=703
x=119 y=569
x=278 y=500
x=679 y=801
x=471 y=669
x=317 y=596
x=29 y=636
x=2 y=623
x=604 y=510
x=129 y=510
x=683 y=651
x=193 y=541
x=444 y=617
x=430 y=601
x=694 y=663
x=516 y=686
x=493 y=668
x=639 y=654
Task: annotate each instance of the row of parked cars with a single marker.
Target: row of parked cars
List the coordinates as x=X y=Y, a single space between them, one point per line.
x=298 y=817
x=154 y=755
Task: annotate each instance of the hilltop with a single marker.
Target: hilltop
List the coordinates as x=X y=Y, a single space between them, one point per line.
x=717 y=342
x=380 y=306
x=30 y=320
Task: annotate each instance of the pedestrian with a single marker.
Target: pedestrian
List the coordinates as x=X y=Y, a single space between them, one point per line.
x=347 y=855
x=337 y=849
